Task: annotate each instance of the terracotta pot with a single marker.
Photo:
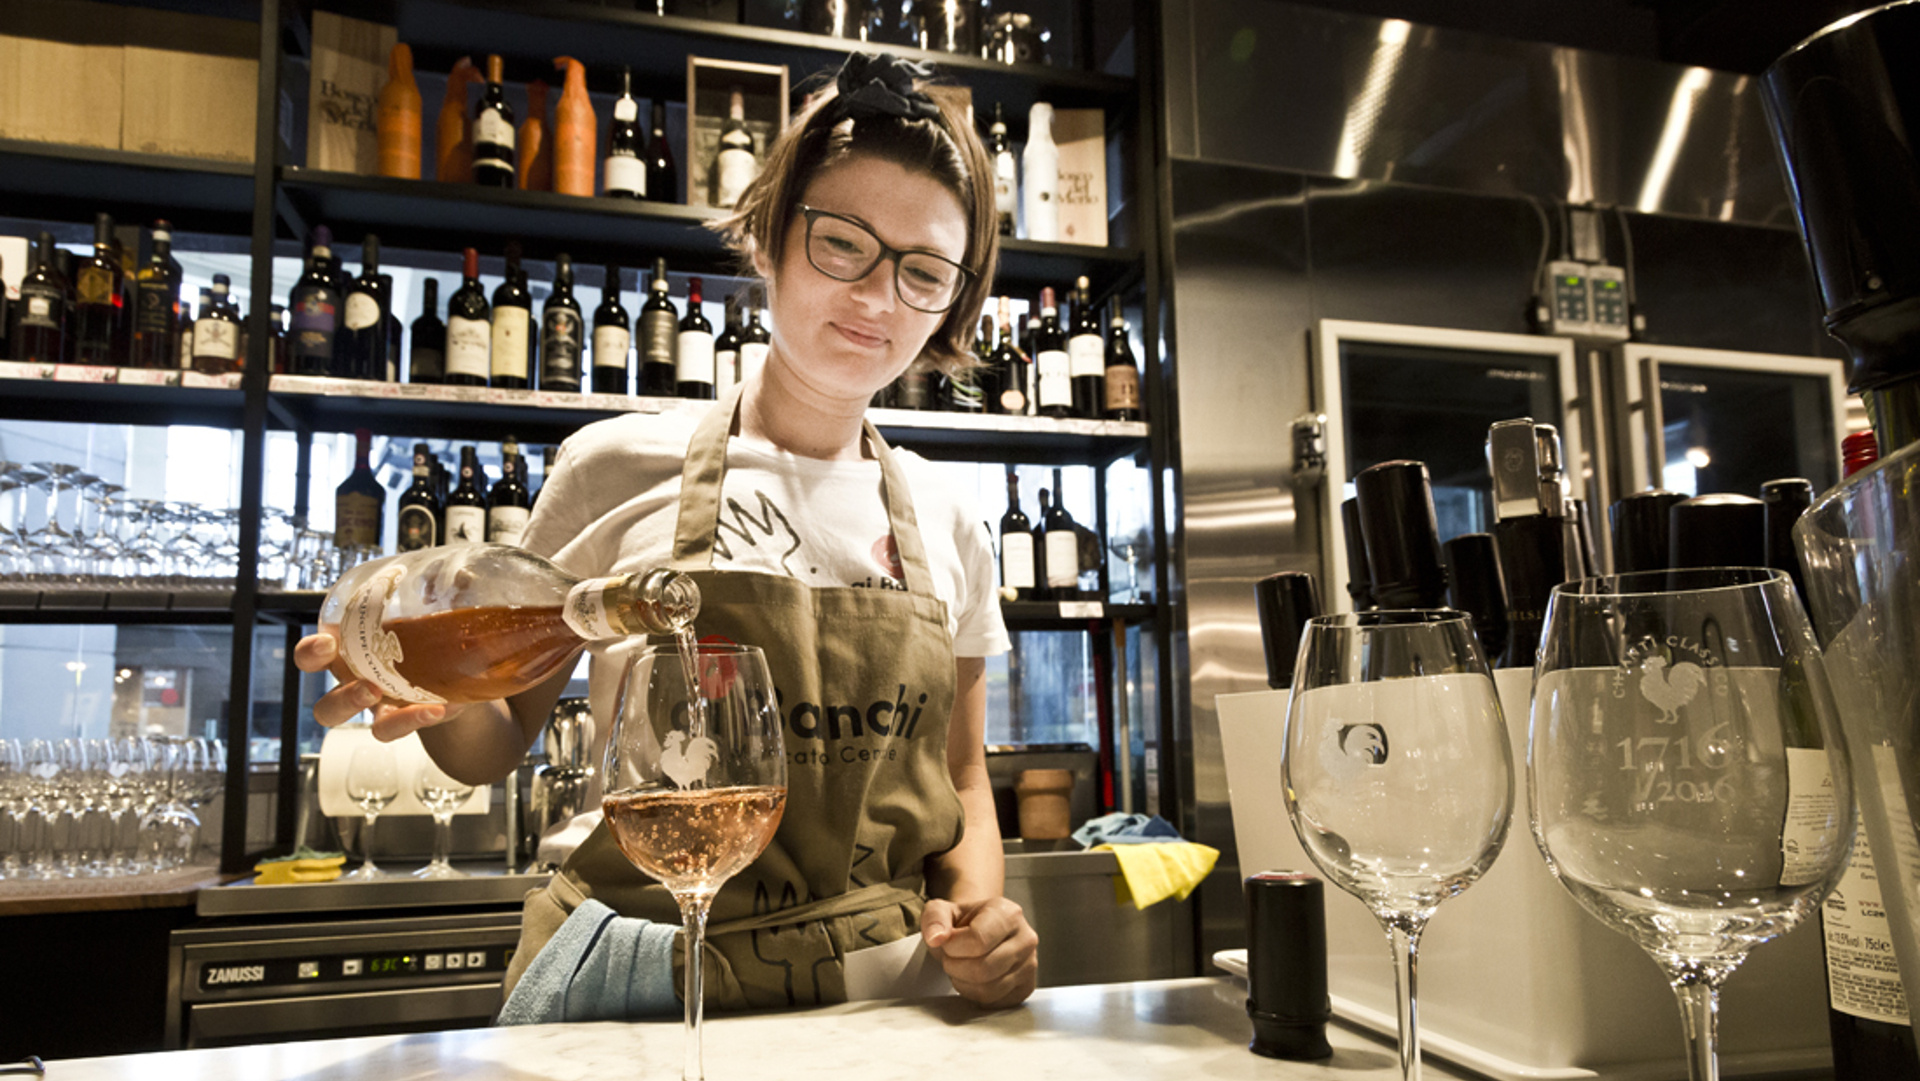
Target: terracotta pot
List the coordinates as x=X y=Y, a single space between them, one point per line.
x=1044 y=814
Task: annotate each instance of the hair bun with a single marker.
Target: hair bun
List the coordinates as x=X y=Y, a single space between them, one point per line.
x=883 y=85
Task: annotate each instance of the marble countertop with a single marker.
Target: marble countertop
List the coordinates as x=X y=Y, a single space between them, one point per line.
x=1167 y=1029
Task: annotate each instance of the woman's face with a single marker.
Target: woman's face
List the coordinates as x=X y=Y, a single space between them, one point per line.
x=847 y=340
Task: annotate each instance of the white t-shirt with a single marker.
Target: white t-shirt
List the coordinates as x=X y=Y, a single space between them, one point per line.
x=613 y=500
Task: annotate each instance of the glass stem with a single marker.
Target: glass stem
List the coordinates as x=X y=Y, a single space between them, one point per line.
x=1699 y=1017
x=693 y=917
x=1403 y=935
x=366 y=838
x=442 y=838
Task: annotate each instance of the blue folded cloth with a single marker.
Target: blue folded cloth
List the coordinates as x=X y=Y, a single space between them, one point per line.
x=1120 y=828
x=598 y=966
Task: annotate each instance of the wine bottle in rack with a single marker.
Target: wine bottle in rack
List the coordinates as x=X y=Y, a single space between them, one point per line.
x=1062 y=547
x=1009 y=367
x=659 y=334
x=96 y=299
x=216 y=333
x=1040 y=176
x=1087 y=354
x=1006 y=180
x=314 y=308
x=1123 y=375
x=6 y=316
x=493 y=132
x=663 y=178
x=418 y=524
x=562 y=332
x=157 y=304
x=511 y=346
x=624 y=174
x=360 y=502
x=469 y=329
x=391 y=320
x=693 y=352
x=277 y=363
x=427 y=347
x=546 y=470
x=363 y=327
x=508 y=506
x=40 y=326
x=1017 y=580
x=185 y=334
x=726 y=347
x=734 y=165
x=1053 y=370
x=754 y=337
x=612 y=339
x=466 y=505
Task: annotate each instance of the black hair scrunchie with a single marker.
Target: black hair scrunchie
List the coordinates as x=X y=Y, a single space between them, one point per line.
x=882 y=85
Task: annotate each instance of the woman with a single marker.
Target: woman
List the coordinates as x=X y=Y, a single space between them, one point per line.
x=873 y=228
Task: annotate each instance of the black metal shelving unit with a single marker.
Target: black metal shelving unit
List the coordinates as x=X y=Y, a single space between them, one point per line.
x=274 y=199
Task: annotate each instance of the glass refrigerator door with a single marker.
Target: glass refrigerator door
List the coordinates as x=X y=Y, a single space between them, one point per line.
x=1430 y=394
x=1729 y=422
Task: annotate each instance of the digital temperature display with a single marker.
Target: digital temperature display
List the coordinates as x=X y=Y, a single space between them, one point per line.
x=392 y=966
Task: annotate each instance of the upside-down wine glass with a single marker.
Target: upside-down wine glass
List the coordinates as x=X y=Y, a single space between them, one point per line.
x=1397 y=773
x=696 y=782
x=1689 y=785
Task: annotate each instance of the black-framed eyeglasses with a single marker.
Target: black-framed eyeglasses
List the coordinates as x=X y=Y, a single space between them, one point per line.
x=845 y=250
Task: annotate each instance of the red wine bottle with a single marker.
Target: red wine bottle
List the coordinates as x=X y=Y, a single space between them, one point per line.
x=1086 y=355
x=493 y=132
x=1017 y=581
x=419 y=511
x=469 y=330
x=363 y=324
x=612 y=339
x=466 y=505
x=314 y=308
x=693 y=349
x=1053 y=375
x=512 y=338
x=40 y=324
x=561 y=332
x=360 y=503
x=427 y=356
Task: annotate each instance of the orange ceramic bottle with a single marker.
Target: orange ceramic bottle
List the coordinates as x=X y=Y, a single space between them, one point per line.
x=453 y=139
x=576 y=133
x=396 y=118
x=535 y=142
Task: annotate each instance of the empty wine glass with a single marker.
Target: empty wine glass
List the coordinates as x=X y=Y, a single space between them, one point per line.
x=1689 y=785
x=441 y=795
x=1397 y=773
x=696 y=782
x=170 y=831
x=15 y=801
x=373 y=781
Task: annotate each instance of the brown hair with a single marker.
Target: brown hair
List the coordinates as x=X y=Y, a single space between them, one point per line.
x=944 y=147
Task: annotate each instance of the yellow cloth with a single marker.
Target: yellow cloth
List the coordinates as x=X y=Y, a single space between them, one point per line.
x=1151 y=873
x=309 y=868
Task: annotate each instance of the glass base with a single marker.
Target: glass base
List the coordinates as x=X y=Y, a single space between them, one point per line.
x=440 y=869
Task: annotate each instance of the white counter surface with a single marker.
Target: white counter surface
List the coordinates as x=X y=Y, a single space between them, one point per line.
x=1171 y=1029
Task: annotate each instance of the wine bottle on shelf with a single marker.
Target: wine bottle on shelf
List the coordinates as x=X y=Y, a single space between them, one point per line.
x=575 y=132
x=970 y=391
x=1062 y=546
x=1009 y=367
x=1053 y=372
x=157 y=304
x=533 y=143
x=469 y=329
x=1017 y=581
x=40 y=325
x=663 y=178
x=515 y=621
x=97 y=299
x=755 y=340
x=396 y=117
x=1040 y=176
x=493 y=134
x=911 y=390
x=390 y=319
x=726 y=348
x=1122 y=374
x=659 y=334
x=427 y=348
x=624 y=175
x=360 y=503
x=734 y=165
x=1087 y=354
x=511 y=344
x=612 y=339
x=363 y=326
x=187 y=321
x=418 y=524
x=216 y=333
x=466 y=505
x=508 y=507
x=277 y=362
x=693 y=351
x=315 y=305
x=1006 y=181
x=562 y=332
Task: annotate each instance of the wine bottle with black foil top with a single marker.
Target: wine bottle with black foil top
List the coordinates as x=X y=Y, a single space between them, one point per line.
x=493 y=132
x=511 y=341
x=1061 y=542
x=40 y=322
x=726 y=347
x=216 y=333
x=314 y=308
x=418 y=524
x=663 y=178
x=624 y=174
x=755 y=339
x=363 y=327
x=1010 y=369
x=1087 y=354
x=1397 y=521
x=360 y=502
x=562 y=332
x=469 y=329
x=466 y=506
x=509 y=505
x=658 y=331
x=157 y=304
x=427 y=339
x=97 y=299
x=1006 y=179
x=1017 y=563
x=481 y=622
x=612 y=339
x=1053 y=368
x=693 y=349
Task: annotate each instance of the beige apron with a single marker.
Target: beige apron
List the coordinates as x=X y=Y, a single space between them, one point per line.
x=865 y=685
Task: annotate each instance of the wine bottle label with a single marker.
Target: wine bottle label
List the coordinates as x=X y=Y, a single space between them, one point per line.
x=1063 y=559
x=753 y=357
x=586 y=609
x=1123 y=387
x=1016 y=560
x=560 y=348
x=1086 y=355
x=492 y=141
x=509 y=343
x=1863 y=978
x=506 y=525
x=626 y=175
x=356 y=520
x=216 y=338
x=94 y=285
x=39 y=309
x=1055 y=370
x=372 y=651
x=1006 y=193
x=363 y=311
x=736 y=168
x=417 y=528
x=659 y=336
x=155 y=315
x=611 y=345
x=694 y=363
x=427 y=362
x=726 y=370
x=469 y=342
x=466 y=525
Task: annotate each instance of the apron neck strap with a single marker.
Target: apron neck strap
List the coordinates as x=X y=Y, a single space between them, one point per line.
x=706 y=468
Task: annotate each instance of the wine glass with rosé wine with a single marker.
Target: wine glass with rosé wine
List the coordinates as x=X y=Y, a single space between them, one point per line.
x=696 y=781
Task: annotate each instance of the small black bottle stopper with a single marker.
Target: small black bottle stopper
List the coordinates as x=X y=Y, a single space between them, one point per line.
x=1287 y=965
x=1285 y=602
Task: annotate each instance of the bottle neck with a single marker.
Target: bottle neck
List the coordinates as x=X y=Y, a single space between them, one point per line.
x=1895 y=414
